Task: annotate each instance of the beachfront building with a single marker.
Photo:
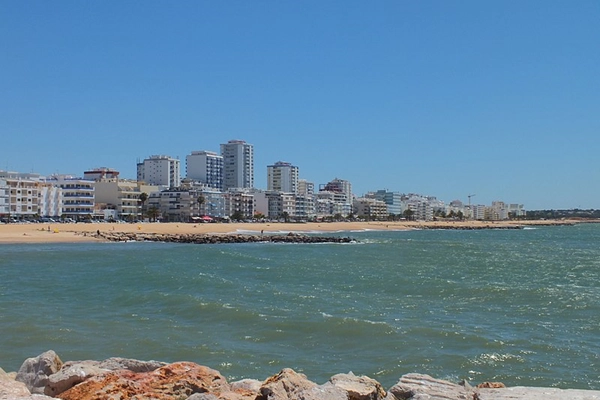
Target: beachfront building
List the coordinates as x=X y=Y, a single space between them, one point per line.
x=205 y=167
x=238 y=165
x=159 y=170
x=175 y=204
x=516 y=210
x=275 y=205
x=78 y=196
x=20 y=195
x=50 y=200
x=282 y=177
x=211 y=203
x=370 y=208
x=4 y=198
x=119 y=199
x=239 y=203
x=338 y=186
x=475 y=211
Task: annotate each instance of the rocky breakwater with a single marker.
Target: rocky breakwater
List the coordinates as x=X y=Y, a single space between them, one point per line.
x=47 y=377
x=205 y=238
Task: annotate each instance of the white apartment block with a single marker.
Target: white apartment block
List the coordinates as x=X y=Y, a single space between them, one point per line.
x=205 y=167
x=4 y=197
x=19 y=195
x=160 y=170
x=77 y=196
x=238 y=165
x=50 y=200
x=282 y=177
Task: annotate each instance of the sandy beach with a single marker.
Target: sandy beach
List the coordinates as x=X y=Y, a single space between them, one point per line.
x=80 y=232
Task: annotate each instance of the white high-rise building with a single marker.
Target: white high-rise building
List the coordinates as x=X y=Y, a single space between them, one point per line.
x=238 y=164
x=282 y=177
x=160 y=171
x=205 y=167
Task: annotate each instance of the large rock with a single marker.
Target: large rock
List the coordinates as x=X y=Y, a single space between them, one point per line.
x=290 y=385
x=358 y=387
x=10 y=389
x=424 y=387
x=35 y=372
x=71 y=375
x=173 y=381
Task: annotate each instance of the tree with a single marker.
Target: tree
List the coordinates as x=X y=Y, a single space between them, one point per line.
x=408 y=214
x=153 y=213
x=237 y=216
x=142 y=198
x=201 y=200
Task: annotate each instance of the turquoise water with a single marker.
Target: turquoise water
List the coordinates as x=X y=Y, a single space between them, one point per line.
x=521 y=307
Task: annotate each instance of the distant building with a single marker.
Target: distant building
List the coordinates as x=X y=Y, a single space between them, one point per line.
x=205 y=167
x=160 y=171
x=122 y=196
x=97 y=174
x=282 y=177
x=78 y=196
x=238 y=164
x=393 y=200
x=370 y=208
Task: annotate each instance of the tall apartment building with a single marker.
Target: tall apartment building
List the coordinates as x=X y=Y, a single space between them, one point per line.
x=205 y=167
x=238 y=164
x=160 y=171
x=282 y=177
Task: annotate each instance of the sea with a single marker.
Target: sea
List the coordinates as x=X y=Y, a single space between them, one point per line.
x=517 y=306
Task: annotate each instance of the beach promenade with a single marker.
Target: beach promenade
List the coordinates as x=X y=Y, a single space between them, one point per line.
x=84 y=232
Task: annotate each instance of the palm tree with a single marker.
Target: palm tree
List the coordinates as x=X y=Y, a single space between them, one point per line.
x=153 y=213
x=142 y=198
x=201 y=200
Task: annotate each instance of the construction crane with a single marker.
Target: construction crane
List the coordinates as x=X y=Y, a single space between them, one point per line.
x=469 y=196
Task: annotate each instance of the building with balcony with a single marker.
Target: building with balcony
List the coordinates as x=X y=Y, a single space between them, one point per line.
x=241 y=203
x=159 y=170
x=370 y=208
x=120 y=198
x=238 y=165
x=78 y=199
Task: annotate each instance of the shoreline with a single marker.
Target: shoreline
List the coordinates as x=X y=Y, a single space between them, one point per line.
x=87 y=232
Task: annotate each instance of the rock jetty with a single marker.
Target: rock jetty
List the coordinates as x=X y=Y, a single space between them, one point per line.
x=47 y=377
x=207 y=238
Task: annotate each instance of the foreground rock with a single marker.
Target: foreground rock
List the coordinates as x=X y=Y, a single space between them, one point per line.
x=216 y=238
x=46 y=377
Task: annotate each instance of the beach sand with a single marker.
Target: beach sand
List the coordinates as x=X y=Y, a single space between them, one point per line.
x=81 y=232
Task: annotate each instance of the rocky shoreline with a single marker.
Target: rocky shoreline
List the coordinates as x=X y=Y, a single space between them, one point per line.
x=208 y=238
x=47 y=377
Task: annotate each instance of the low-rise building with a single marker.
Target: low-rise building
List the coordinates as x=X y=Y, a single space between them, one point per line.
x=370 y=208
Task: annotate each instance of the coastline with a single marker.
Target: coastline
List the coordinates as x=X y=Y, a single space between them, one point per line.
x=85 y=233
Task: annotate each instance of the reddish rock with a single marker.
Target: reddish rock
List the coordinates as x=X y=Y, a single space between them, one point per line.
x=177 y=380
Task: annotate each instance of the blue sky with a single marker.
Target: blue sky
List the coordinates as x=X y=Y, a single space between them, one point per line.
x=498 y=99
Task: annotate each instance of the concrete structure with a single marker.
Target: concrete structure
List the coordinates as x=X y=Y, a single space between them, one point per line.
x=160 y=171
x=339 y=186
x=122 y=196
x=239 y=202
x=213 y=204
x=238 y=165
x=370 y=208
x=305 y=188
x=276 y=205
x=97 y=174
x=176 y=204
x=19 y=195
x=4 y=198
x=50 y=200
x=78 y=196
x=205 y=167
x=282 y=177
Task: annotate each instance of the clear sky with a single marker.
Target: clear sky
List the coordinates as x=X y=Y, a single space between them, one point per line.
x=500 y=99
